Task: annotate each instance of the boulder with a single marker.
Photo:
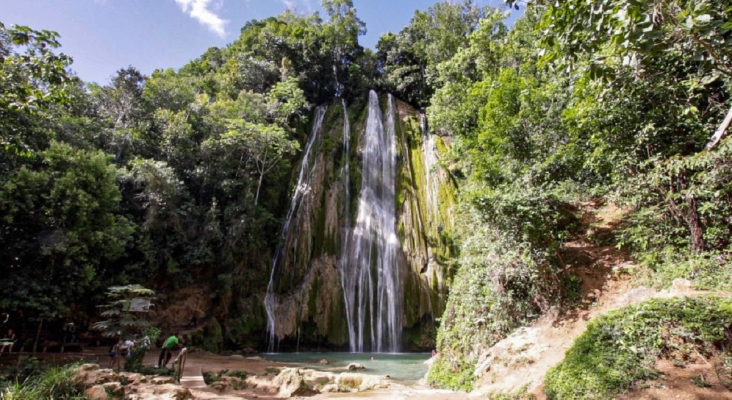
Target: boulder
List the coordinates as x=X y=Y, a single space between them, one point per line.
x=323 y=361
x=162 y=380
x=317 y=379
x=355 y=366
x=226 y=383
x=291 y=383
x=161 y=392
x=89 y=375
x=361 y=382
x=133 y=378
x=330 y=388
x=115 y=389
x=96 y=392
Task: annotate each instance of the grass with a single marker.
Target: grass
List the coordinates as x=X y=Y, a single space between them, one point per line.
x=54 y=383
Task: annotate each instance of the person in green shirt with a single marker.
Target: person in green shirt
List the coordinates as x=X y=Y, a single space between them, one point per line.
x=173 y=342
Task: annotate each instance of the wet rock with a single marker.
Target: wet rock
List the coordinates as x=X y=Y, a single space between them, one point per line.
x=361 y=382
x=355 y=366
x=323 y=361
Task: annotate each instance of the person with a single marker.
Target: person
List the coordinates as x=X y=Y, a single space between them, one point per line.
x=171 y=343
x=119 y=351
x=7 y=341
x=113 y=354
x=69 y=332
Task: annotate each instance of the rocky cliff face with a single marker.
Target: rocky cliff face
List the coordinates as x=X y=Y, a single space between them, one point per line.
x=307 y=300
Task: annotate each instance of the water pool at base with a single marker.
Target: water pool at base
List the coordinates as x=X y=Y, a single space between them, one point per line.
x=400 y=366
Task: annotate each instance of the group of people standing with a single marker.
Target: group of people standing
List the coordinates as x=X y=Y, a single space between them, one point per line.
x=124 y=348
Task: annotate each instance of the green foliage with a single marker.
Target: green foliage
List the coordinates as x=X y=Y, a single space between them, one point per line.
x=122 y=318
x=52 y=383
x=213 y=337
x=453 y=374
x=60 y=225
x=520 y=394
x=621 y=347
x=32 y=78
x=209 y=377
x=411 y=58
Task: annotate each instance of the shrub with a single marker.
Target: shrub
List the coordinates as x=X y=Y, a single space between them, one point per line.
x=53 y=383
x=620 y=348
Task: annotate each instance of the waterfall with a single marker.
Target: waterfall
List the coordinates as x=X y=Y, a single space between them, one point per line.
x=304 y=181
x=370 y=273
x=430 y=160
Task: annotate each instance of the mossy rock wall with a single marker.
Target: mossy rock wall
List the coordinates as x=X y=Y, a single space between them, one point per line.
x=309 y=309
x=425 y=199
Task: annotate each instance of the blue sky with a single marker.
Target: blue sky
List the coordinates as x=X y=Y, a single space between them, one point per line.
x=103 y=36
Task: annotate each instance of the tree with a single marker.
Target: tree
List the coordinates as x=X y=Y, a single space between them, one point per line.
x=411 y=58
x=621 y=33
x=60 y=231
x=123 y=313
x=30 y=81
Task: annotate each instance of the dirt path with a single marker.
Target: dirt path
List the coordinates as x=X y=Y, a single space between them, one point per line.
x=523 y=358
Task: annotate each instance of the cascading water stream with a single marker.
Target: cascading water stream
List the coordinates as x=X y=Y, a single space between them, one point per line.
x=370 y=273
x=346 y=181
x=430 y=160
x=304 y=182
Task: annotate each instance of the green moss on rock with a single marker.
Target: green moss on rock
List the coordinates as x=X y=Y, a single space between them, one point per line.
x=622 y=346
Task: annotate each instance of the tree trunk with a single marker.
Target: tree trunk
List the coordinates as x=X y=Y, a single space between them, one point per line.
x=717 y=137
x=259 y=185
x=695 y=226
x=38 y=335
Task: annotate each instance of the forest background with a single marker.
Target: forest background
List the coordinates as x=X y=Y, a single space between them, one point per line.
x=183 y=177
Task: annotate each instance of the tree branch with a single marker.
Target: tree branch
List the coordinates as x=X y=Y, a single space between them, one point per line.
x=717 y=137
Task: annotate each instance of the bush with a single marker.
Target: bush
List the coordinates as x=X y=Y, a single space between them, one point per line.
x=53 y=383
x=620 y=348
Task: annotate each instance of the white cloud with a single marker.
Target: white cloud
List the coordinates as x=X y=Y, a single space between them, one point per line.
x=199 y=10
x=289 y=4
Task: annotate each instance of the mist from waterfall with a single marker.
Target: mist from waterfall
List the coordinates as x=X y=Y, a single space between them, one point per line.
x=304 y=183
x=370 y=273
